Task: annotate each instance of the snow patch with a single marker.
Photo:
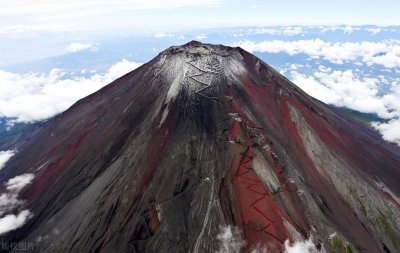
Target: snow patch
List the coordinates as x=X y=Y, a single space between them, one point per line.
x=42 y=166
x=235 y=68
x=230 y=240
x=206 y=218
x=159 y=212
x=5 y=156
x=235 y=116
x=174 y=89
x=333 y=235
x=164 y=116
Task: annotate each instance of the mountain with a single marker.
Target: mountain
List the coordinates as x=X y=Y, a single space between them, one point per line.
x=15 y=134
x=205 y=148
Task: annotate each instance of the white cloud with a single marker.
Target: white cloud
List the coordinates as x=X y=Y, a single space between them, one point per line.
x=390 y=131
x=163 y=35
x=230 y=240
x=5 y=156
x=292 y=31
x=17 y=183
x=202 y=36
x=286 y=31
x=11 y=222
x=77 y=47
x=306 y=246
x=343 y=88
x=160 y=35
x=314 y=88
x=119 y=69
x=345 y=29
x=9 y=202
x=386 y=53
x=373 y=31
x=347 y=89
x=37 y=96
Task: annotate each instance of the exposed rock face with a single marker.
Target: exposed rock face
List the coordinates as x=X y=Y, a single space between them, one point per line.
x=204 y=144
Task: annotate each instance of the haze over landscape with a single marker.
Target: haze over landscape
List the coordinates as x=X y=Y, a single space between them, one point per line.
x=345 y=54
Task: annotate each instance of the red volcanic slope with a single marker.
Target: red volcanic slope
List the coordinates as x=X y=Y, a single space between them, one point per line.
x=205 y=139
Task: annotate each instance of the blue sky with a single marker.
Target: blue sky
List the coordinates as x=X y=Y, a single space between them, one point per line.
x=26 y=17
x=39 y=27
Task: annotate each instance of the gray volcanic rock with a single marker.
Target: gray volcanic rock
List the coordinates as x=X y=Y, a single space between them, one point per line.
x=206 y=148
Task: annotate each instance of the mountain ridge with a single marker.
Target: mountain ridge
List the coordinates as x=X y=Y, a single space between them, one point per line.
x=205 y=137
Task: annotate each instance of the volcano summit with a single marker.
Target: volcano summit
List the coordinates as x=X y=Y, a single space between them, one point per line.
x=205 y=149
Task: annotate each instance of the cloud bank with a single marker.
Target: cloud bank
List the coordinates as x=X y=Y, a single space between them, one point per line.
x=77 y=47
x=11 y=221
x=5 y=156
x=345 y=29
x=38 y=96
x=9 y=202
x=385 y=53
x=390 y=131
x=9 y=199
x=347 y=89
x=284 y=31
x=17 y=183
